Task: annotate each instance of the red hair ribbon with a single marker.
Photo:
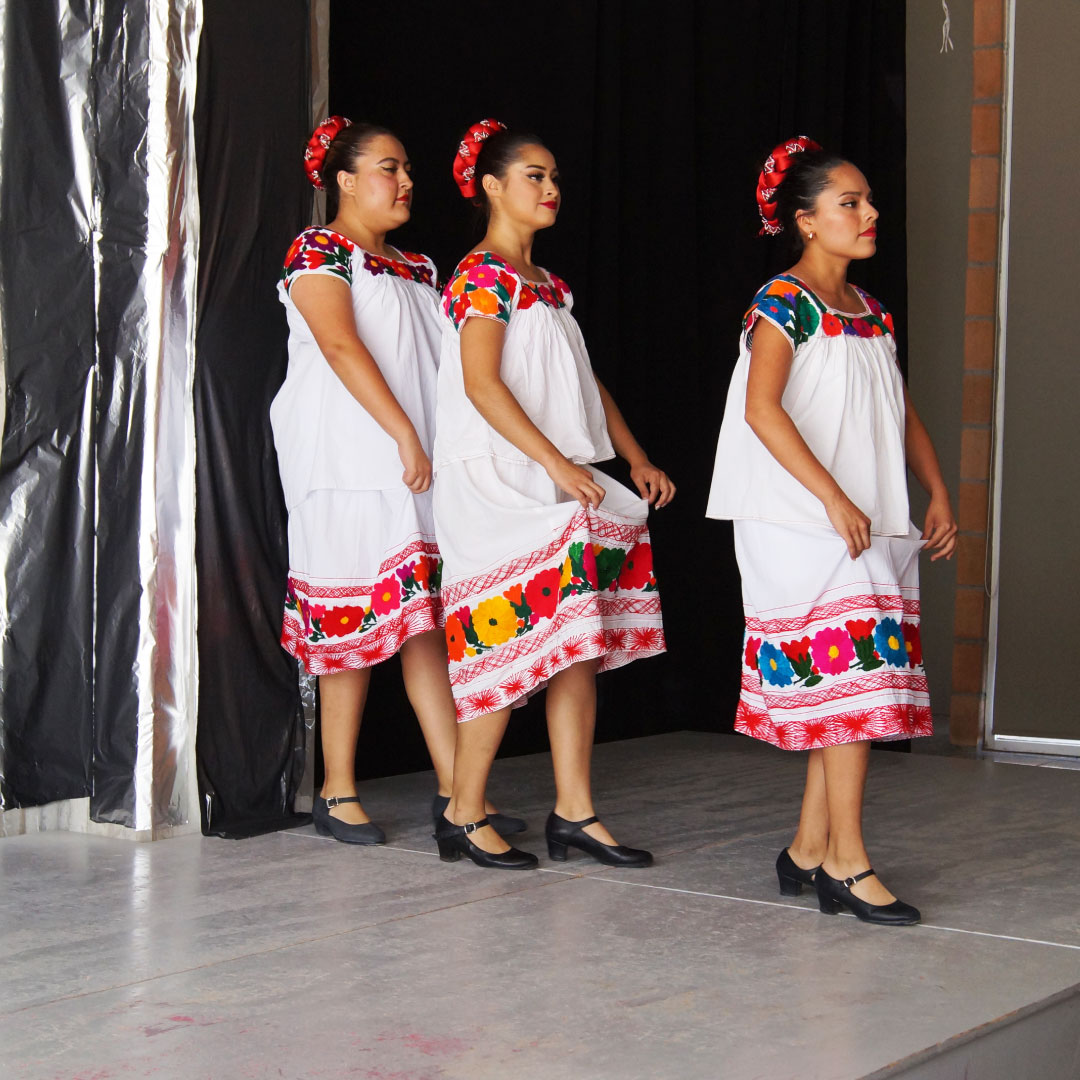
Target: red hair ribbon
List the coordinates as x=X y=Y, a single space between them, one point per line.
x=465 y=158
x=772 y=176
x=319 y=143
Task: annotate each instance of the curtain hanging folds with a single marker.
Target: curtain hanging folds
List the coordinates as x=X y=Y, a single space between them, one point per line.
x=98 y=253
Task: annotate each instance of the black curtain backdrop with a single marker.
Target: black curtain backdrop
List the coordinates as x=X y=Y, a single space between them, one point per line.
x=252 y=119
x=659 y=117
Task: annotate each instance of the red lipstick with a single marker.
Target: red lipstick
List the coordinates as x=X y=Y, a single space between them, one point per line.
x=550 y=205
x=871 y=233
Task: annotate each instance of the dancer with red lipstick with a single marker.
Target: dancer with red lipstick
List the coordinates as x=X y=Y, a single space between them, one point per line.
x=548 y=562
x=353 y=426
x=811 y=464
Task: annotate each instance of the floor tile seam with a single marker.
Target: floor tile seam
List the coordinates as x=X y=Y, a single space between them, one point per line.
x=796 y=907
x=561 y=878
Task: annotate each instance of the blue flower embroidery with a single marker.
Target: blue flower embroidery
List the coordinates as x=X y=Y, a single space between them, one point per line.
x=889 y=640
x=775 y=308
x=774 y=666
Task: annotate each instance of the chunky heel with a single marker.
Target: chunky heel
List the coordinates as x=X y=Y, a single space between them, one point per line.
x=792 y=876
x=448 y=850
x=789 y=886
x=828 y=906
x=556 y=850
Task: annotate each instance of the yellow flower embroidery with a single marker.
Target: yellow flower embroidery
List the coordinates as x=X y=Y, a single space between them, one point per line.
x=494 y=621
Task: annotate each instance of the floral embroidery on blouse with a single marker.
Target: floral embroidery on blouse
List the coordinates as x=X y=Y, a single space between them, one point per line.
x=415 y=267
x=484 y=284
x=319 y=249
x=513 y=613
x=330 y=252
x=862 y=644
x=787 y=303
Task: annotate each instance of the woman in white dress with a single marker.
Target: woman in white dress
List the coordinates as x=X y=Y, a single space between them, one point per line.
x=811 y=465
x=548 y=562
x=353 y=428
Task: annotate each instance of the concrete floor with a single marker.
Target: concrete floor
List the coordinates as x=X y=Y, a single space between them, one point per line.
x=293 y=956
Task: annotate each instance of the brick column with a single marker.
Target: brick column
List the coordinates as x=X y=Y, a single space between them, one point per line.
x=980 y=336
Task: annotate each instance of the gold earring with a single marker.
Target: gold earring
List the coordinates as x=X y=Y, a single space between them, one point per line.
x=809 y=236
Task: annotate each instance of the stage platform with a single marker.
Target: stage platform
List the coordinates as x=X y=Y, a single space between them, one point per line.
x=292 y=956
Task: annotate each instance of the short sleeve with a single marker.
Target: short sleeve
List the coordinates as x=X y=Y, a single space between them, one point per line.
x=788 y=307
x=483 y=285
x=318 y=251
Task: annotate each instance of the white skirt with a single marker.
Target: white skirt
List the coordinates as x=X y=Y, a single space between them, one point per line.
x=364 y=573
x=832 y=651
x=534 y=583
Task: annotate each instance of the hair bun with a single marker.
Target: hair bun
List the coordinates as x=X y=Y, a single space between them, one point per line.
x=772 y=176
x=465 y=158
x=319 y=143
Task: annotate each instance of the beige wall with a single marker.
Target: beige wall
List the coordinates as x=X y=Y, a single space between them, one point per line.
x=939 y=95
x=1035 y=667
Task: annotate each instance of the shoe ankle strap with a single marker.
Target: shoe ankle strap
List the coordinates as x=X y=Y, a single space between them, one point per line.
x=337 y=800
x=580 y=824
x=472 y=826
x=849 y=881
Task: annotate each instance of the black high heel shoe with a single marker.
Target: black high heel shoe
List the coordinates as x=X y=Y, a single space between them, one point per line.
x=327 y=825
x=503 y=824
x=834 y=894
x=562 y=834
x=453 y=841
x=791 y=876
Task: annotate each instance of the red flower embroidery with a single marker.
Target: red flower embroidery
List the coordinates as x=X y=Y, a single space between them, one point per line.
x=588 y=563
x=422 y=571
x=913 y=643
x=831 y=325
x=455 y=638
x=386 y=596
x=888 y=321
x=750 y=656
x=339 y=621
x=860 y=628
x=796 y=650
x=862 y=328
x=637 y=570
x=542 y=593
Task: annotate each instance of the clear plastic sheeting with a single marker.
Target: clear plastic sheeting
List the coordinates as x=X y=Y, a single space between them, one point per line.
x=98 y=257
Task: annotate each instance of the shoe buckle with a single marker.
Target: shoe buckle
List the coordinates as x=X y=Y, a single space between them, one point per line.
x=849 y=882
x=469 y=828
x=331 y=802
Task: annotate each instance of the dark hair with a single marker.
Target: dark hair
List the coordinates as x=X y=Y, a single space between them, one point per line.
x=349 y=144
x=805 y=178
x=497 y=153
